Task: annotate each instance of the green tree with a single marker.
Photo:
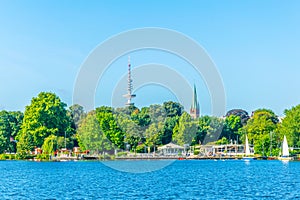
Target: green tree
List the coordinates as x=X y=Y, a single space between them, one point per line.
x=63 y=142
x=258 y=128
x=214 y=130
x=240 y=113
x=290 y=126
x=50 y=144
x=185 y=130
x=154 y=134
x=133 y=133
x=76 y=112
x=109 y=126
x=53 y=143
x=3 y=143
x=90 y=136
x=10 y=123
x=141 y=117
x=231 y=127
x=128 y=110
x=209 y=129
x=173 y=109
x=223 y=140
x=169 y=124
x=46 y=115
x=157 y=113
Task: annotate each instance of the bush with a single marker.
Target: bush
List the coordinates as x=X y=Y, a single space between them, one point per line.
x=141 y=148
x=105 y=157
x=2 y=157
x=196 y=152
x=43 y=157
x=24 y=156
x=120 y=154
x=11 y=156
x=223 y=140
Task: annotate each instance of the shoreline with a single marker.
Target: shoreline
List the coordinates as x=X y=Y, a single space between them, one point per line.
x=74 y=159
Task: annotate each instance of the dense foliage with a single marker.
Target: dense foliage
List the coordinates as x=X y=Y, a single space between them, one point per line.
x=48 y=124
x=90 y=136
x=45 y=116
x=10 y=125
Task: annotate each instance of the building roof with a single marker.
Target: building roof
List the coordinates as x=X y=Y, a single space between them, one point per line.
x=170 y=146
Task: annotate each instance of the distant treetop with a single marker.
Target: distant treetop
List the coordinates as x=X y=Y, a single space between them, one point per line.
x=241 y=113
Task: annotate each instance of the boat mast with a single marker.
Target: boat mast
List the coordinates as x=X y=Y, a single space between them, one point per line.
x=65 y=141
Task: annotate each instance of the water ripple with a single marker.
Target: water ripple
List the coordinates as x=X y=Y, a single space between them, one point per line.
x=180 y=180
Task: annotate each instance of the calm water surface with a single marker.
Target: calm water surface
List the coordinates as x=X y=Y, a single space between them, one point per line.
x=180 y=180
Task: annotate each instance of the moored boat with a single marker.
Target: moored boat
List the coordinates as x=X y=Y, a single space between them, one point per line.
x=285 y=156
x=248 y=155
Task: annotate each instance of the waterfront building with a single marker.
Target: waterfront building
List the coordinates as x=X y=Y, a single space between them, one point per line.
x=170 y=149
x=224 y=150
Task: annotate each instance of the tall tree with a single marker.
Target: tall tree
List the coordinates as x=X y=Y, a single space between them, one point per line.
x=157 y=113
x=185 y=130
x=90 y=136
x=173 y=108
x=133 y=133
x=262 y=123
x=108 y=124
x=10 y=123
x=169 y=124
x=241 y=113
x=209 y=129
x=128 y=110
x=46 y=115
x=5 y=131
x=290 y=126
x=141 y=117
x=231 y=127
x=50 y=144
x=154 y=134
x=77 y=113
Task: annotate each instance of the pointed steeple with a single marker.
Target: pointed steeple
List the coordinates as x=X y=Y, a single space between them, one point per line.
x=195 y=110
x=195 y=101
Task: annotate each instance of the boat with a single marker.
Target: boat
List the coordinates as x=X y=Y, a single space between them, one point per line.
x=285 y=155
x=248 y=156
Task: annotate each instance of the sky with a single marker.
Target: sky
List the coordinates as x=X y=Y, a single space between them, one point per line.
x=255 y=46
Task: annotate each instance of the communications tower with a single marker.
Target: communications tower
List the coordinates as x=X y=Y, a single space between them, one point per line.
x=129 y=94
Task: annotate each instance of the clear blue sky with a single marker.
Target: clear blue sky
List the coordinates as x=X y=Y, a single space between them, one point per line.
x=254 y=44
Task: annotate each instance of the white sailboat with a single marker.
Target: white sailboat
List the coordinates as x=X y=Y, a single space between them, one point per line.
x=248 y=156
x=285 y=151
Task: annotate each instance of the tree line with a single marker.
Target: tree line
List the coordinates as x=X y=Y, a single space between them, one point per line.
x=47 y=123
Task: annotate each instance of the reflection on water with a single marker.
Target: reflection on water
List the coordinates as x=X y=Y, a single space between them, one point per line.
x=138 y=166
x=285 y=162
x=247 y=162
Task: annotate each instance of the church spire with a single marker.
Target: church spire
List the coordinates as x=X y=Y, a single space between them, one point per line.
x=194 y=111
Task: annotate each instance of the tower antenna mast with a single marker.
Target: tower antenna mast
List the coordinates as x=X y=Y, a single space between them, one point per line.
x=129 y=94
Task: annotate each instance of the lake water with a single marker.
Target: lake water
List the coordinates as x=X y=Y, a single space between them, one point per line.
x=179 y=180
